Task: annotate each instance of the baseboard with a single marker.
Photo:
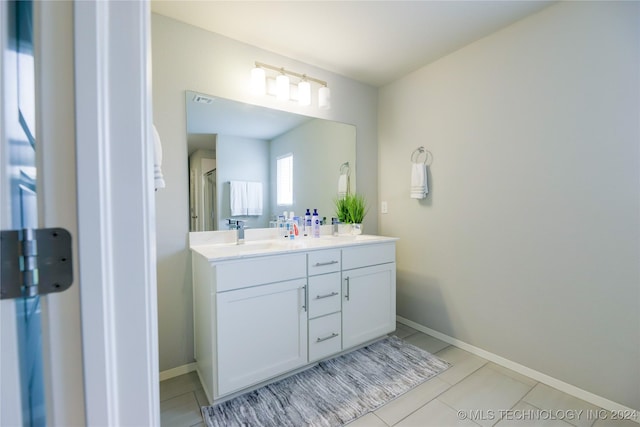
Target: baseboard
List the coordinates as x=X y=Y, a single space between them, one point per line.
x=587 y=396
x=177 y=371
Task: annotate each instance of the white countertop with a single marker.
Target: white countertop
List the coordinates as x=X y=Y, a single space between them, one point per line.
x=254 y=248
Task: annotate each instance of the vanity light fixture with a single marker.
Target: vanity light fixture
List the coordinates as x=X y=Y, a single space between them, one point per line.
x=304 y=92
x=258 y=81
x=324 y=98
x=282 y=89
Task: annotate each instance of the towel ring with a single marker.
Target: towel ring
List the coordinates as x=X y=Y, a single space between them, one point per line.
x=345 y=167
x=415 y=156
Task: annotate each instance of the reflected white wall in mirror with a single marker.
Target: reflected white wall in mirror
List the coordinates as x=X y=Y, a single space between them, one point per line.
x=246 y=140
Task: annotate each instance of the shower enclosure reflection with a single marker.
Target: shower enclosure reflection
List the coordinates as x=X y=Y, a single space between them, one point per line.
x=232 y=141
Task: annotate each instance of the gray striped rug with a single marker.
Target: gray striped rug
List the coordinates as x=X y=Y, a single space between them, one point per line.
x=335 y=391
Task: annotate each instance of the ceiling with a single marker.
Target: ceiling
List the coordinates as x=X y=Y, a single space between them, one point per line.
x=207 y=115
x=375 y=42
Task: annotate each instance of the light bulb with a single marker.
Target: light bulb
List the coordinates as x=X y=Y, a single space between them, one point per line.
x=282 y=87
x=258 y=81
x=324 y=98
x=304 y=93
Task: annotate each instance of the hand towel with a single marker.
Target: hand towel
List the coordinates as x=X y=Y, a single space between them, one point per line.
x=157 y=162
x=343 y=185
x=254 y=198
x=238 y=198
x=419 y=187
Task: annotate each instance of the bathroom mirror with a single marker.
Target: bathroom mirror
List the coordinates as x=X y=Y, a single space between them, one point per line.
x=230 y=141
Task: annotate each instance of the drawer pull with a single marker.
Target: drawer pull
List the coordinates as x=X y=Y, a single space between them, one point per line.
x=321 y=264
x=332 y=294
x=333 y=335
x=304 y=298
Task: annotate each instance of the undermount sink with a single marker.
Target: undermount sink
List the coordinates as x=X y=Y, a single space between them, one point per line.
x=351 y=237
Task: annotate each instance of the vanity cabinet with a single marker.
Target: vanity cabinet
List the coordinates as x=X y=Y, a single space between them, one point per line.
x=250 y=320
x=369 y=293
x=262 y=333
x=259 y=317
x=325 y=320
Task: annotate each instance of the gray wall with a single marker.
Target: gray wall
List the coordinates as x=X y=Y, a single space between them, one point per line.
x=528 y=245
x=186 y=57
x=242 y=159
x=321 y=146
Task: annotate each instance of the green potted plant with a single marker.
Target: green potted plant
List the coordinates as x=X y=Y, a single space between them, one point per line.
x=351 y=210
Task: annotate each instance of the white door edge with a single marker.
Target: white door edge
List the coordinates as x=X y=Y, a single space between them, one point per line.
x=57 y=207
x=116 y=212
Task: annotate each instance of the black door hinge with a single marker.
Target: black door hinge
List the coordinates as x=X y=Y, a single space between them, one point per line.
x=35 y=262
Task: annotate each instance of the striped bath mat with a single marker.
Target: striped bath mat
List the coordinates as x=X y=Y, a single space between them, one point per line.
x=335 y=391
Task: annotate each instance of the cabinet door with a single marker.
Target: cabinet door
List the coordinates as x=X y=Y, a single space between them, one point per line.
x=262 y=332
x=369 y=303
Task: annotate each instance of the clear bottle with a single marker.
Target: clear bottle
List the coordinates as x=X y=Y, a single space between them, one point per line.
x=316 y=223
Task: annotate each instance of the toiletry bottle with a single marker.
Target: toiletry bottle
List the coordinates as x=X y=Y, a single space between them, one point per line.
x=296 y=225
x=316 y=223
x=307 y=223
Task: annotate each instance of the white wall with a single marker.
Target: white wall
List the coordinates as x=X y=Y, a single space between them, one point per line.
x=528 y=245
x=185 y=57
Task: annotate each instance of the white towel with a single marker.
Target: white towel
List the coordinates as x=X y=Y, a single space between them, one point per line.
x=254 y=198
x=419 y=187
x=238 y=198
x=343 y=185
x=157 y=162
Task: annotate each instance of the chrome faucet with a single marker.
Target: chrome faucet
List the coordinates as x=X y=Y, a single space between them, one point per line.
x=239 y=232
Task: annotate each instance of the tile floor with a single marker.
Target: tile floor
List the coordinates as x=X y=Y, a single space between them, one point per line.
x=472 y=392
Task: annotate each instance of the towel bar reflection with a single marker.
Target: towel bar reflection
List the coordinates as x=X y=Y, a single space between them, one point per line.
x=345 y=169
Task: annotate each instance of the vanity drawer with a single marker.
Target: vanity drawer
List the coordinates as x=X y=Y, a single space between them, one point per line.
x=325 y=261
x=248 y=272
x=367 y=255
x=324 y=336
x=324 y=294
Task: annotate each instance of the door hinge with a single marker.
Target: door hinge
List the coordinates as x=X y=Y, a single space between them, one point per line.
x=35 y=262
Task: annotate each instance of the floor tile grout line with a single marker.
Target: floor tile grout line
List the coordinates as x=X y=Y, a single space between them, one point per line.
x=454 y=409
x=520 y=400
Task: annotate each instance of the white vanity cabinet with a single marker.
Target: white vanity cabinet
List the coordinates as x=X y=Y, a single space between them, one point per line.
x=250 y=320
x=262 y=333
x=369 y=293
x=325 y=321
x=260 y=316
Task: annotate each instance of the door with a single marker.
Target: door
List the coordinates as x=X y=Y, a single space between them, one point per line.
x=21 y=317
x=210 y=201
x=369 y=303
x=63 y=148
x=262 y=332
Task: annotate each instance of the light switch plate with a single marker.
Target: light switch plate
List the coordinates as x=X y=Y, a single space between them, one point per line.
x=384 y=208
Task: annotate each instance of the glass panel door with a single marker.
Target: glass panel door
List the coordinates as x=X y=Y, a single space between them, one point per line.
x=20 y=136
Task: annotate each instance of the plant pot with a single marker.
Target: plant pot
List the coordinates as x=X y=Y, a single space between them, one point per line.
x=356 y=229
x=344 y=229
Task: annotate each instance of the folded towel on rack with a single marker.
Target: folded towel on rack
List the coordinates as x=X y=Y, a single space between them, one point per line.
x=343 y=185
x=254 y=198
x=238 y=198
x=419 y=185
